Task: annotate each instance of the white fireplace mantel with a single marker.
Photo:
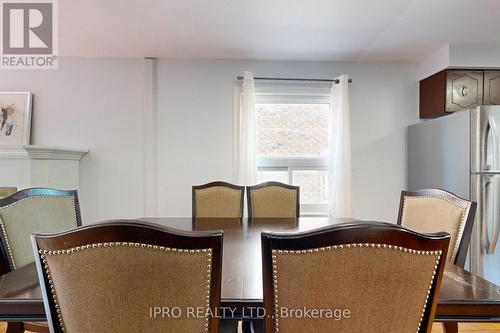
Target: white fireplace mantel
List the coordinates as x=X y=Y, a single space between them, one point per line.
x=42 y=153
x=40 y=166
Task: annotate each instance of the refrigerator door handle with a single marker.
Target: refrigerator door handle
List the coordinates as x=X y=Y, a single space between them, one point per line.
x=494 y=136
x=490 y=244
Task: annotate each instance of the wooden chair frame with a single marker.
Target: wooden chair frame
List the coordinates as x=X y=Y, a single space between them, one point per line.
x=268 y=184
x=350 y=233
x=218 y=184
x=135 y=232
x=470 y=212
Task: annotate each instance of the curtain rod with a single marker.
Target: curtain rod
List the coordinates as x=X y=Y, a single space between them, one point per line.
x=337 y=81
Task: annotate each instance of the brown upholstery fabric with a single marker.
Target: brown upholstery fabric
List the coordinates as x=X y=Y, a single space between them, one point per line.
x=111 y=289
x=432 y=214
x=384 y=289
x=5 y=191
x=274 y=202
x=39 y=214
x=218 y=201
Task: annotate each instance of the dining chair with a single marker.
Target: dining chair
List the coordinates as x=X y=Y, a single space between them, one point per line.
x=217 y=200
x=273 y=200
x=130 y=276
x=27 y=211
x=5 y=191
x=433 y=210
x=34 y=210
x=352 y=277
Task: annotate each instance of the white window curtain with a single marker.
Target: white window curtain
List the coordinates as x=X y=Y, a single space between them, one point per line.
x=246 y=169
x=339 y=157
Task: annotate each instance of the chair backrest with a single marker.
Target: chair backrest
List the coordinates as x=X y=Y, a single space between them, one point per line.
x=130 y=276
x=273 y=200
x=218 y=200
x=33 y=210
x=353 y=277
x=5 y=191
x=435 y=210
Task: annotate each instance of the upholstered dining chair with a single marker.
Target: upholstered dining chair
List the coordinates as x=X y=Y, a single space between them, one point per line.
x=432 y=210
x=357 y=277
x=84 y=287
x=27 y=211
x=218 y=200
x=34 y=210
x=5 y=191
x=273 y=200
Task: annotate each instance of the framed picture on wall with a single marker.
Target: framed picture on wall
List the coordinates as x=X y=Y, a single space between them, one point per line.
x=15 y=118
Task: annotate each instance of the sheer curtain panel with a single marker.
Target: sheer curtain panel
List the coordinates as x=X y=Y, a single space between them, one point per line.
x=339 y=157
x=246 y=148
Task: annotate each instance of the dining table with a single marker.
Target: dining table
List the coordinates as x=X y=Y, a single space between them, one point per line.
x=464 y=297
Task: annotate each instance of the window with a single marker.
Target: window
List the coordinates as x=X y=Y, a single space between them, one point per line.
x=292 y=144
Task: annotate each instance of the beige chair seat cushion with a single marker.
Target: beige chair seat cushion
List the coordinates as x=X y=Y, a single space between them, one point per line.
x=433 y=214
x=113 y=289
x=384 y=290
x=218 y=201
x=37 y=214
x=5 y=191
x=274 y=202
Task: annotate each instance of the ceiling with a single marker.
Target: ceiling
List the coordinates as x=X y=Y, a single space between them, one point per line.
x=329 y=30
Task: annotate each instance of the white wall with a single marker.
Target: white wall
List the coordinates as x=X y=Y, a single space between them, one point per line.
x=475 y=56
x=195 y=127
x=459 y=56
x=98 y=104
x=433 y=63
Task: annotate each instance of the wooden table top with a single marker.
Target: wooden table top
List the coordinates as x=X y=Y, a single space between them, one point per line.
x=463 y=296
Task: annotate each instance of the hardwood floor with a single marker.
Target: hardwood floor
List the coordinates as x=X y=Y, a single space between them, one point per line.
x=3 y=328
x=471 y=328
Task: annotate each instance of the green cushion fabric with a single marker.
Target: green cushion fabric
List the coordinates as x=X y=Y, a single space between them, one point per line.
x=37 y=214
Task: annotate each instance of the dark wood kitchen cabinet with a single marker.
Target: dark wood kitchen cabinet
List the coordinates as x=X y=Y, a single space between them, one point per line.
x=454 y=90
x=464 y=90
x=433 y=96
x=491 y=88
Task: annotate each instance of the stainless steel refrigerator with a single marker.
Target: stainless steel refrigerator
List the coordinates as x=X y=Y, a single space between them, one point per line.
x=460 y=153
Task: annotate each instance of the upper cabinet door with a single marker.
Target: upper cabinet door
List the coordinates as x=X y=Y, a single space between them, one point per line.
x=492 y=88
x=464 y=90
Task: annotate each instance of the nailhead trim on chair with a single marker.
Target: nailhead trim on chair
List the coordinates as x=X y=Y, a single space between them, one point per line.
x=461 y=225
x=44 y=253
x=4 y=233
x=347 y=246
